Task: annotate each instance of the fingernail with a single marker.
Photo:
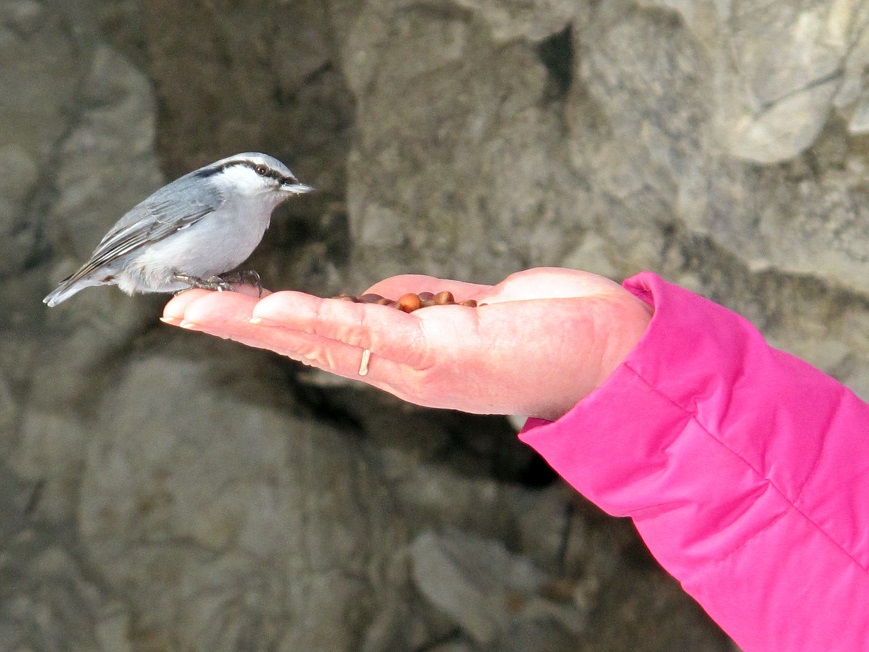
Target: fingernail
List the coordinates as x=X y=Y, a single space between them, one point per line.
x=188 y=324
x=255 y=320
x=169 y=320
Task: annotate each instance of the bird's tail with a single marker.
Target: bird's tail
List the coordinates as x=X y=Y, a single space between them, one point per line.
x=64 y=291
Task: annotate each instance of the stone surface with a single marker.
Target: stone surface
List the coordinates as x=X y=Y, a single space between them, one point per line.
x=237 y=526
x=161 y=491
x=493 y=596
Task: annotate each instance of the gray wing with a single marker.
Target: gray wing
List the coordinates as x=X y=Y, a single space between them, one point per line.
x=167 y=211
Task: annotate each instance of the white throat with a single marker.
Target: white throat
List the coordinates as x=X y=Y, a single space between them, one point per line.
x=244 y=181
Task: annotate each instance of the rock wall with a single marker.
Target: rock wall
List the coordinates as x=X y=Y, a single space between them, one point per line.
x=165 y=492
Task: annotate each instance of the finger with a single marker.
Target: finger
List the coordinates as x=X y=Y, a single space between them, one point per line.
x=287 y=329
x=196 y=309
x=174 y=310
x=329 y=355
x=216 y=316
x=220 y=307
x=389 y=332
x=228 y=315
x=177 y=306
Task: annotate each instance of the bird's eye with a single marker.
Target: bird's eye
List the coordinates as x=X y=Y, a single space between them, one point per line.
x=261 y=170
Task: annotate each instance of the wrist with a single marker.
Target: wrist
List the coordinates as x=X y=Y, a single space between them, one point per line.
x=618 y=331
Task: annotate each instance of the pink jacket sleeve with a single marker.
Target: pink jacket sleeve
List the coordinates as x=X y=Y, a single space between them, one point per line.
x=745 y=470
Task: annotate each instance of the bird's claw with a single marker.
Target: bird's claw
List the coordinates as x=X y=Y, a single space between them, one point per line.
x=246 y=276
x=223 y=283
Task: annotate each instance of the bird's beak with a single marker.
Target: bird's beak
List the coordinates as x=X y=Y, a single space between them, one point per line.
x=300 y=188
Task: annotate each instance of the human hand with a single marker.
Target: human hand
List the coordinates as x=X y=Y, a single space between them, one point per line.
x=544 y=339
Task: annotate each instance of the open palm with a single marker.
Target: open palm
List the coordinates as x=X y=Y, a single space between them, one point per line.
x=545 y=337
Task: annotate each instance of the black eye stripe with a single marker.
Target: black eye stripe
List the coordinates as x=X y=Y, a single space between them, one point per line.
x=259 y=168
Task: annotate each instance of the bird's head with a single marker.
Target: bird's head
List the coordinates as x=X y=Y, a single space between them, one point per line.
x=255 y=174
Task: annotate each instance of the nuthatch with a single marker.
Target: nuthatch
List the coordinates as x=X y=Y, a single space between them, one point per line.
x=190 y=231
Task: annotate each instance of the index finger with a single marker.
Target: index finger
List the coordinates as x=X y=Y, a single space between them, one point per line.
x=388 y=332
x=177 y=307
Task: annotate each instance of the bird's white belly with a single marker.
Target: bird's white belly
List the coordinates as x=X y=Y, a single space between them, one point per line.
x=217 y=243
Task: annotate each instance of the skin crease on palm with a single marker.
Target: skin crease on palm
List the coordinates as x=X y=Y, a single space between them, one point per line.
x=545 y=338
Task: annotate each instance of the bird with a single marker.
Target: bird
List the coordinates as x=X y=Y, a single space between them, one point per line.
x=191 y=231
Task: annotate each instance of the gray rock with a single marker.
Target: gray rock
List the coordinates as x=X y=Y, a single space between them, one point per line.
x=515 y=19
x=489 y=593
x=787 y=77
x=107 y=163
x=38 y=74
x=47 y=599
x=48 y=604
x=453 y=179
x=234 y=525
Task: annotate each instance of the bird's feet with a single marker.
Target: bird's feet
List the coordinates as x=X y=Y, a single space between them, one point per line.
x=223 y=283
x=245 y=276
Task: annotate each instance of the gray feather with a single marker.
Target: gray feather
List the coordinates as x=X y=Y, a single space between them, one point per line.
x=152 y=220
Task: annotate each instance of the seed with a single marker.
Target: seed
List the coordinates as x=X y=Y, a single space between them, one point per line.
x=426 y=299
x=444 y=298
x=409 y=302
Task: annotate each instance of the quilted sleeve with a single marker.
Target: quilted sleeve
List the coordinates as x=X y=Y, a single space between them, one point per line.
x=745 y=470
